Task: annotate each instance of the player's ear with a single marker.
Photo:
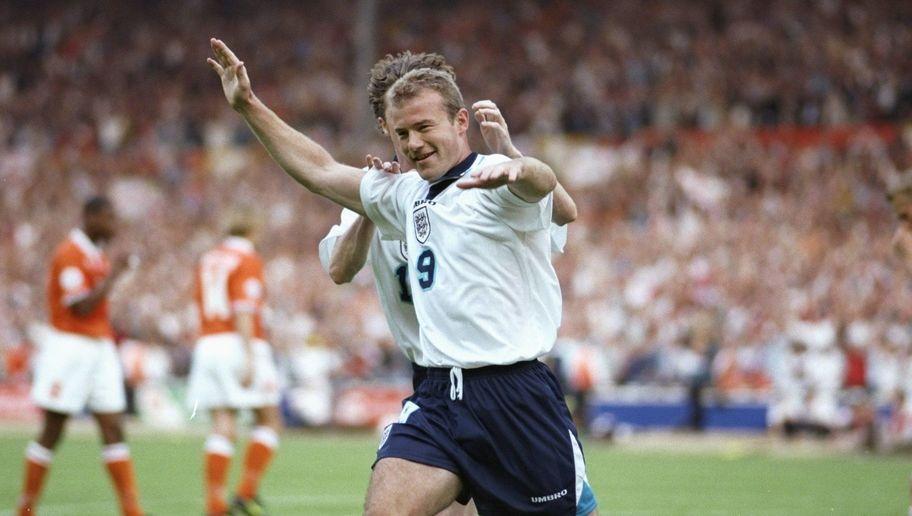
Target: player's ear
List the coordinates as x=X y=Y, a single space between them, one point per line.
x=462 y=120
x=381 y=124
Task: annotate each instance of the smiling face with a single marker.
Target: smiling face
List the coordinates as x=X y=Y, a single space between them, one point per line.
x=422 y=131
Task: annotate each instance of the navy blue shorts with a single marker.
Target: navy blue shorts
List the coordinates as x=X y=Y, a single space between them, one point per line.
x=505 y=430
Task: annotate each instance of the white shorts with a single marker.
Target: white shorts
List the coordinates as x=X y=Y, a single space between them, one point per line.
x=215 y=374
x=74 y=372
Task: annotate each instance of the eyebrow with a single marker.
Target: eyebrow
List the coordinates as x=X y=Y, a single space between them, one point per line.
x=420 y=122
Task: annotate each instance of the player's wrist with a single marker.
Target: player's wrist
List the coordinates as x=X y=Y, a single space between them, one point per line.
x=246 y=103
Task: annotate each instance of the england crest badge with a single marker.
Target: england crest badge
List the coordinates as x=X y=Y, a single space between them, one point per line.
x=422 y=224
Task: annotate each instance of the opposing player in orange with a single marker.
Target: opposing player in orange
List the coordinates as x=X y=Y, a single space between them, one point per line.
x=233 y=367
x=78 y=366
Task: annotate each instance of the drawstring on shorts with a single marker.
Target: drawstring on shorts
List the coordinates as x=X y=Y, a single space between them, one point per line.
x=456 y=383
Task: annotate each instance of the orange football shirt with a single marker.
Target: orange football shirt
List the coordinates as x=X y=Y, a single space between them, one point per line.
x=77 y=267
x=229 y=280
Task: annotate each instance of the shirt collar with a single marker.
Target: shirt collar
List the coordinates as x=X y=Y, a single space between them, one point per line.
x=85 y=244
x=459 y=169
x=444 y=181
x=237 y=243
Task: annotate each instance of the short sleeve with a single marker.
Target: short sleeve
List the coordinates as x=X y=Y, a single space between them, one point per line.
x=558 y=238
x=245 y=287
x=328 y=244
x=385 y=198
x=517 y=213
x=72 y=282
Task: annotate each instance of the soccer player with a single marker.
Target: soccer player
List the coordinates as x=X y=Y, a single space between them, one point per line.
x=232 y=367
x=348 y=245
x=78 y=366
x=489 y=420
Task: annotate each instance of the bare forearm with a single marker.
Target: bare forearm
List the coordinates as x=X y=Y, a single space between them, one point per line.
x=86 y=305
x=564 y=208
x=535 y=181
x=303 y=159
x=351 y=250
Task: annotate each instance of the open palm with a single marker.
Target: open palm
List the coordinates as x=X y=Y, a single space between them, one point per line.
x=235 y=82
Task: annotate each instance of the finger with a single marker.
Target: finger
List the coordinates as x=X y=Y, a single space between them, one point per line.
x=492 y=114
x=376 y=163
x=491 y=125
x=483 y=104
x=367 y=160
x=215 y=66
x=479 y=117
x=467 y=183
x=226 y=52
x=241 y=72
x=395 y=167
x=217 y=50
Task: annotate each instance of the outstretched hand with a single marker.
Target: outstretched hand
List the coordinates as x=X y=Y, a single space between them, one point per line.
x=494 y=128
x=491 y=177
x=390 y=167
x=231 y=70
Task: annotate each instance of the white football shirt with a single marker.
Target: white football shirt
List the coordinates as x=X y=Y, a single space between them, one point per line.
x=389 y=263
x=479 y=266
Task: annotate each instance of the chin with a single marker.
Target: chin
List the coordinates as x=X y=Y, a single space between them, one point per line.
x=429 y=174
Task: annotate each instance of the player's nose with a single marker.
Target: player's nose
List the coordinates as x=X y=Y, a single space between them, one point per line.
x=414 y=141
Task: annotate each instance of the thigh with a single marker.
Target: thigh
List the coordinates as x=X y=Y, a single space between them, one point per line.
x=458 y=509
x=521 y=452
x=265 y=376
x=398 y=486
x=107 y=387
x=215 y=374
x=63 y=373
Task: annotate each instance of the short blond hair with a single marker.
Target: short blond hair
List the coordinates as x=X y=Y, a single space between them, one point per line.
x=414 y=82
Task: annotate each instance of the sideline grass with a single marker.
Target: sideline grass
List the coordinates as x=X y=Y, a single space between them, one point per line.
x=327 y=475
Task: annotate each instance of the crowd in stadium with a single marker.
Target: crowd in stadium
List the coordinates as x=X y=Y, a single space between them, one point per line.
x=730 y=166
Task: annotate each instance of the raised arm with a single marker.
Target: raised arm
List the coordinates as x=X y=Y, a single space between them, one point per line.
x=496 y=135
x=300 y=157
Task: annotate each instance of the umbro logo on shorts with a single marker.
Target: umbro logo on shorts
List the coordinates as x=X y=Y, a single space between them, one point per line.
x=550 y=497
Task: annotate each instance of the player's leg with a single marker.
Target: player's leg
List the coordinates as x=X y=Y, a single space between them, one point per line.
x=38 y=457
x=61 y=386
x=116 y=456
x=457 y=509
x=519 y=446
x=219 y=449
x=107 y=401
x=263 y=397
x=401 y=487
x=264 y=440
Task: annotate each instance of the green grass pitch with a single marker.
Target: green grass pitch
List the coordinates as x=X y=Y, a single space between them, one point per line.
x=327 y=475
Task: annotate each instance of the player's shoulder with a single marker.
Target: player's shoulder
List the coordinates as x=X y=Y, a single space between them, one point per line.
x=486 y=160
x=67 y=252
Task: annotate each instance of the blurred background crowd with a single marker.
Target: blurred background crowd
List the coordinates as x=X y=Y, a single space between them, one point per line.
x=730 y=161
